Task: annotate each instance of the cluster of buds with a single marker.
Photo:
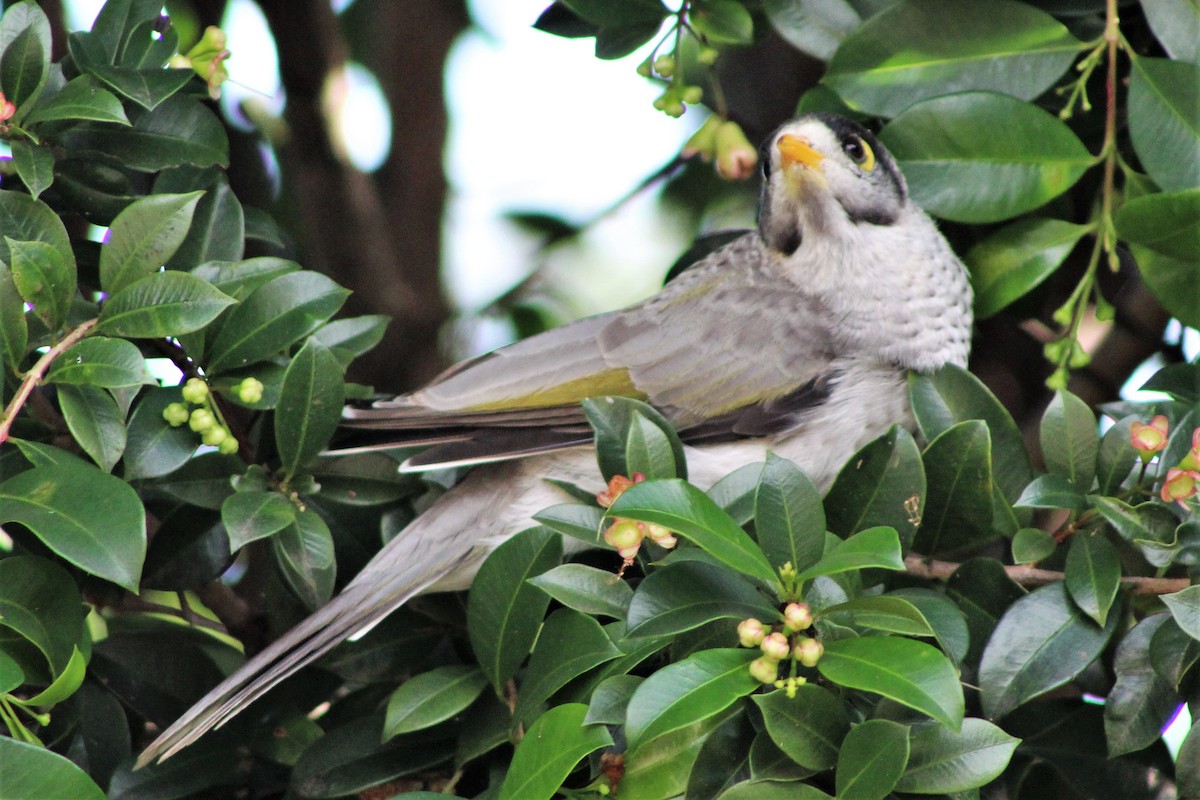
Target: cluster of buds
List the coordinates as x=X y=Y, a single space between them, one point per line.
x=207 y=58
x=1183 y=479
x=678 y=95
x=204 y=418
x=626 y=535
x=724 y=142
x=779 y=645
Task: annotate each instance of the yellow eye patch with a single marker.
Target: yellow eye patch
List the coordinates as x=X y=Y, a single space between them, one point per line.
x=861 y=153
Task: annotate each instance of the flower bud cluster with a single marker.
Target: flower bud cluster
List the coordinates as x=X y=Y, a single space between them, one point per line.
x=626 y=535
x=678 y=95
x=1183 y=480
x=724 y=142
x=204 y=418
x=780 y=645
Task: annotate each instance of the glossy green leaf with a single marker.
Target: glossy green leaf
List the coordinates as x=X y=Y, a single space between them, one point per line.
x=218 y=231
x=735 y=492
x=549 y=751
x=1017 y=258
x=179 y=131
x=162 y=304
x=1031 y=545
x=1184 y=606
x=812 y=26
x=948 y=621
x=610 y=699
x=586 y=589
x=1040 y=643
x=143 y=237
x=723 y=759
x=808 y=727
x=872 y=759
x=684 y=508
x=1174 y=283
x=1173 y=653
x=942 y=761
x=35 y=166
x=722 y=21
x=788 y=517
x=95 y=421
x=874 y=547
x=663 y=767
x=44 y=278
x=883 y=484
x=1141 y=703
x=309 y=407
x=1188 y=764
x=239 y=278
x=105 y=536
x=352 y=336
x=1093 y=574
x=984 y=592
x=912 y=673
x=21 y=16
x=153 y=448
x=40 y=603
x=984 y=157
x=687 y=594
x=1116 y=457
x=882 y=613
x=24 y=67
x=275 y=315
x=1166 y=222
x=100 y=361
x=304 y=552
x=432 y=697
x=958 y=510
x=1176 y=24
x=576 y=520
x=31 y=771
x=683 y=693
x=773 y=790
x=1052 y=491
x=569 y=644
x=80 y=99
x=1070 y=439
x=65 y=684
x=249 y=516
x=901 y=55
x=27 y=219
x=633 y=437
x=504 y=612
x=149 y=88
x=1164 y=121
x=14 y=328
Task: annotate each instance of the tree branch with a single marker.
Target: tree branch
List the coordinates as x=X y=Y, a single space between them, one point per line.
x=929 y=568
x=34 y=376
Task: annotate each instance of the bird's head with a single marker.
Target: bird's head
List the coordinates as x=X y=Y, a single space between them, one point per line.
x=821 y=174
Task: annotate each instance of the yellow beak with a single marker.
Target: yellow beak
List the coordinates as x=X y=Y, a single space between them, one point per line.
x=797 y=151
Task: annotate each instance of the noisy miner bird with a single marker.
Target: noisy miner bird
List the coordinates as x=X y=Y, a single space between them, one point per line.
x=794 y=338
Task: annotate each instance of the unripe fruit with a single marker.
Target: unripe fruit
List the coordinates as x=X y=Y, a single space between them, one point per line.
x=175 y=414
x=250 y=390
x=229 y=446
x=797 y=617
x=201 y=420
x=665 y=66
x=775 y=646
x=626 y=536
x=214 y=436
x=764 y=670
x=194 y=391
x=809 y=651
x=750 y=632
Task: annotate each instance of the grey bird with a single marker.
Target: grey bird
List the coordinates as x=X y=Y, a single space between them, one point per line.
x=794 y=338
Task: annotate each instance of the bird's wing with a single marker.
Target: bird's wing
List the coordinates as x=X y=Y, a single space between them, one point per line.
x=726 y=349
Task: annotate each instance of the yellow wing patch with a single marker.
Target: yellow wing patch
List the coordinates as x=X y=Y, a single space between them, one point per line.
x=614 y=381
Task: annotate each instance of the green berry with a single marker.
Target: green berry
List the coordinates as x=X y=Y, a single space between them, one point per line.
x=707 y=55
x=214 y=436
x=764 y=670
x=644 y=69
x=195 y=391
x=692 y=95
x=674 y=108
x=201 y=420
x=229 y=446
x=250 y=390
x=175 y=414
x=665 y=66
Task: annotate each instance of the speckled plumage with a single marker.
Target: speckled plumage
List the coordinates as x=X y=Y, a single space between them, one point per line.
x=794 y=338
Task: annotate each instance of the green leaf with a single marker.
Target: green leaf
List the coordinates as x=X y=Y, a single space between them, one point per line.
x=80 y=99
x=948 y=621
x=504 y=612
x=1070 y=439
x=569 y=644
x=1116 y=457
x=586 y=589
x=1164 y=121
x=40 y=603
x=808 y=727
x=66 y=684
x=687 y=594
x=549 y=751
x=722 y=21
x=304 y=552
x=773 y=790
x=912 y=673
x=883 y=484
x=1185 y=608
x=1093 y=574
x=432 y=697
x=872 y=759
x=309 y=407
x=1040 y=643
x=813 y=26
x=14 y=328
x=984 y=157
x=735 y=492
x=22 y=16
x=24 y=67
x=684 y=508
x=984 y=592
x=44 y=278
x=1166 y=222
x=874 y=547
x=95 y=421
x=274 y=316
x=1188 y=764
x=632 y=437
x=1052 y=491
x=788 y=517
x=576 y=520
x=723 y=757
x=1141 y=703
x=32 y=771
x=100 y=361
x=218 y=231
x=610 y=699
x=942 y=761
x=694 y=689
x=26 y=219
x=162 y=304
x=179 y=131
x=1015 y=259
x=883 y=613
x=608 y=14
x=901 y=55
x=153 y=448
x=352 y=336
x=249 y=516
x=35 y=165
x=1174 y=283
x=106 y=536
x=958 y=511
x=1173 y=653
x=143 y=238
x=1031 y=545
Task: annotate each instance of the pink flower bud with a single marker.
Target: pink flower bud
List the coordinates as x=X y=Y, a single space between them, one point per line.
x=625 y=535
x=736 y=157
x=775 y=646
x=764 y=670
x=663 y=537
x=616 y=485
x=808 y=651
x=1179 y=485
x=1149 y=439
x=750 y=632
x=7 y=109
x=1192 y=459
x=797 y=616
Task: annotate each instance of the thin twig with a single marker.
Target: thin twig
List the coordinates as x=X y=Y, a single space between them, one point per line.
x=34 y=376
x=922 y=567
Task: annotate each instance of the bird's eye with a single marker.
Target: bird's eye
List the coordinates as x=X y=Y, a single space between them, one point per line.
x=860 y=153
